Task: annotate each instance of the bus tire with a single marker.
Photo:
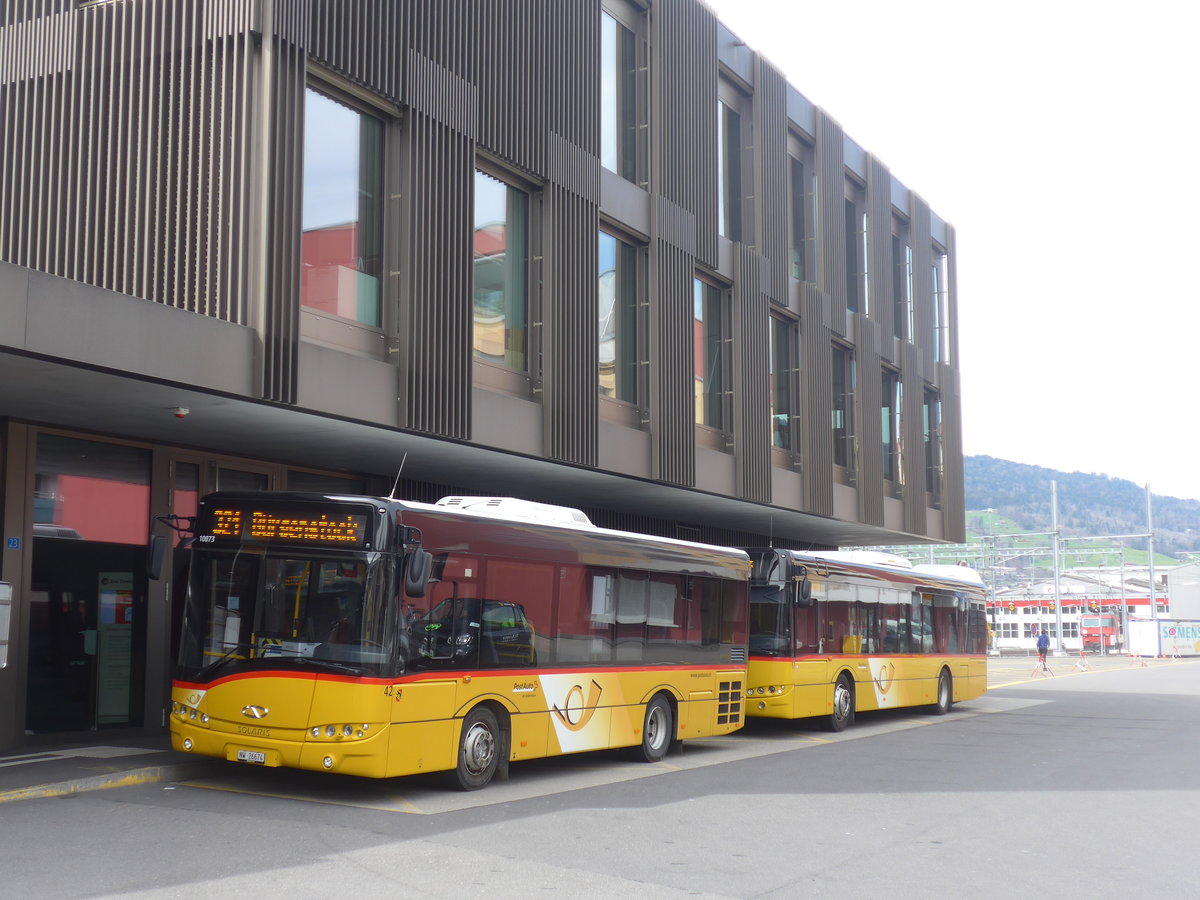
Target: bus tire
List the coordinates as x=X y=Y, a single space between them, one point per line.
x=945 y=694
x=658 y=730
x=842 y=714
x=478 y=750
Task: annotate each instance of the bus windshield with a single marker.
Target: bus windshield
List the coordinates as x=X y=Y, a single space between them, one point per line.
x=770 y=620
x=250 y=610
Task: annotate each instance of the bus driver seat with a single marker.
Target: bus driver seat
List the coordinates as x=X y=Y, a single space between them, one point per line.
x=333 y=614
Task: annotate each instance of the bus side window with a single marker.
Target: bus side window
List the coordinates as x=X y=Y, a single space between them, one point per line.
x=527 y=587
x=574 y=633
x=664 y=619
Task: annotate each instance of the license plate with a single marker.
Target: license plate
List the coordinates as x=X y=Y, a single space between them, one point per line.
x=252 y=756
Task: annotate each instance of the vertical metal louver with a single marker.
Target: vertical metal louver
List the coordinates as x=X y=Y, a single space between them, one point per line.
x=922 y=247
x=686 y=120
x=280 y=146
x=831 y=214
x=772 y=172
x=437 y=322
x=361 y=41
x=751 y=356
x=953 y=500
x=441 y=65
x=570 y=332
x=571 y=163
x=914 y=440
x=519 y=72
x=879 y=219
x=817 y=337
x=953 y=504
x=869 y=428
x=672 y=400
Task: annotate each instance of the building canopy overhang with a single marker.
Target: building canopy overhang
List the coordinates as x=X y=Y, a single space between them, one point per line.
x=66 y=395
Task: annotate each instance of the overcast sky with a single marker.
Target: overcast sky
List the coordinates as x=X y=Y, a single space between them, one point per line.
x=1059 y=138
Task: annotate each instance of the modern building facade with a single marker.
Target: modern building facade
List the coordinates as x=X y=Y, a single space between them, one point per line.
x=591 y=252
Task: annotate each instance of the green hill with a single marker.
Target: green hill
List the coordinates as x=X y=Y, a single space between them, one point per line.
x=1007 y=497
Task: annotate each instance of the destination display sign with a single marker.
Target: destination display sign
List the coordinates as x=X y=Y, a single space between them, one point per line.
x=335 y=528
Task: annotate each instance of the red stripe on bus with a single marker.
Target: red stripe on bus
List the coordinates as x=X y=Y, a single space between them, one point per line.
x=451 y=674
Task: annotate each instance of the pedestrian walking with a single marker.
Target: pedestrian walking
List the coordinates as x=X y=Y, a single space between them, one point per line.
x=1043 y=644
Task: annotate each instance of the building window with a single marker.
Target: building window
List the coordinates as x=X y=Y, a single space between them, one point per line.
x=784 y=363
x=618 y=319
x=501 y=272
x=711 y=337
x=902 y=285
x=619 y=112
x=932 y=427
x=858 y=251
x=940 y=302
x=729 y=172
x=799 y=198
x=342 y=217
x=843 y=407
x=891 y=414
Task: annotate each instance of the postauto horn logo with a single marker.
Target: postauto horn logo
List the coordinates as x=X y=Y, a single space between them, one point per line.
x=577 y=711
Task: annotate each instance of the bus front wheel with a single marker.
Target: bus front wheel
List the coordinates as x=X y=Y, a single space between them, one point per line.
x=658 y=730
x=842 y=714
x=478 y=749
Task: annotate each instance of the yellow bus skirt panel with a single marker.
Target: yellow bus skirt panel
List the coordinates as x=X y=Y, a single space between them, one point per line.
x=530 y=735
x=423 y=746
x=974 y=683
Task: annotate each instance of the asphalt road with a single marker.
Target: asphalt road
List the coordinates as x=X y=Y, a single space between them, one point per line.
x=1079 y=784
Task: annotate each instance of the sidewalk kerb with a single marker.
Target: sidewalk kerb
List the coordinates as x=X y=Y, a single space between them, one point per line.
x=127 y=778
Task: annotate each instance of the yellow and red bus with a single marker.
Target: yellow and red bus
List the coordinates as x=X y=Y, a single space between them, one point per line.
x=377 y=637
x=837 y=633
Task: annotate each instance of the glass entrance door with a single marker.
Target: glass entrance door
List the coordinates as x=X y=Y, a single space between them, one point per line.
x=87 y=628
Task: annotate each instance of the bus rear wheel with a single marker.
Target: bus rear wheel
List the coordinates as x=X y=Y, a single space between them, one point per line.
x=478 y=749
x=945 y=694
x=658 y=730
x=842 y=714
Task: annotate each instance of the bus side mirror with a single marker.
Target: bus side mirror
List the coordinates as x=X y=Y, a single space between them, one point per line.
x=804 y=591
x=416 y=572
x=154 y=556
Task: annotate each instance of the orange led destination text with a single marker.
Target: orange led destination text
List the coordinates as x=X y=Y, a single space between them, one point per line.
x=271 y=527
